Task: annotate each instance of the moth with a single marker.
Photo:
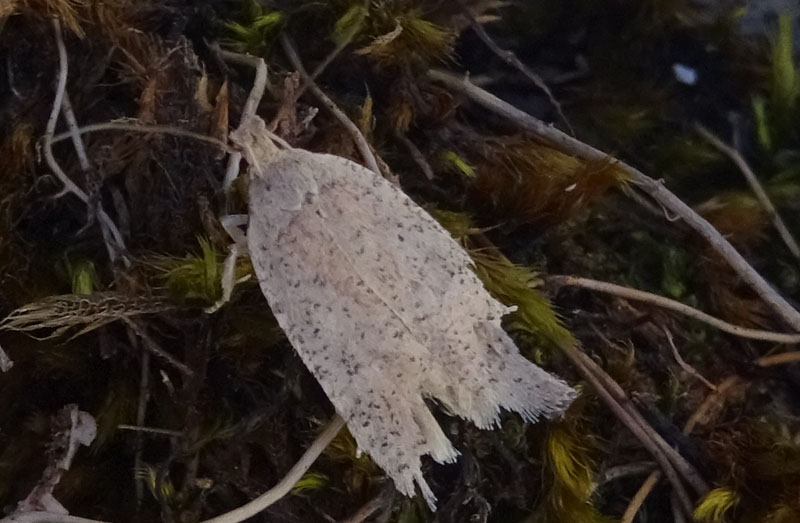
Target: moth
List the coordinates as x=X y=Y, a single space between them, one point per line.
x=381 y=304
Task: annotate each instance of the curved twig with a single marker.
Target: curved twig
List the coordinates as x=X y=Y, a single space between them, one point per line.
x=235 y=516
x=106 y=223
x=289 y=480
x=143 y=128
x=755 y=185
x=655 y=189
x=676 y=306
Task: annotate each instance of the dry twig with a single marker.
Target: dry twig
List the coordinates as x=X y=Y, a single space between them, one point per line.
x=713 y=400
x=143 y=128
x=347 y=123
x=634 y=425
x=250 y=106
x=655 y=189
x=417 y=155
x=285 y=485
x=685 y=366
x=755 y=185
x=511 y=59
x=152 y=430
x=676 y=306
x=235 y=516
x=106 y=223
x=152 y=346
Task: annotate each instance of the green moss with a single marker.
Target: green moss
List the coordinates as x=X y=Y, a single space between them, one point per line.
x=716 y=505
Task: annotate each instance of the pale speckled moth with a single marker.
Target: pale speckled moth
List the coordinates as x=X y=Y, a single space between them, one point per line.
x=381 y=305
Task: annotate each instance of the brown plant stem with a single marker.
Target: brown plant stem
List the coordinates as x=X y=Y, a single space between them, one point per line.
x=109 y=229
x=655 y=189
x=579 y=360
x=673 y=305
x=755 y=185
x=511 y=59
x=347 y=123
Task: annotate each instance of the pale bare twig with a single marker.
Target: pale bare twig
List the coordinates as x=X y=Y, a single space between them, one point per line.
x=655 y=189
x=580 y=361
x=104 y=219
x=249 y=110
x=755 y=185
x=235 y=516
x=289 y=480
x=151 y=430
x=111 y=235
x=143 y=128
x=685 y=366
x=511 y=59
x=676 y=306
x=778 y=359
x=638 y=499
x=355 y=132
x=72 y=125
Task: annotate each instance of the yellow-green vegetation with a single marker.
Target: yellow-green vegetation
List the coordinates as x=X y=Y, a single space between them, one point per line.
x=256 y=27
x=715 y=506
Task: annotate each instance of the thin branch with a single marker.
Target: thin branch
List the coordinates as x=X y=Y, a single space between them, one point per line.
x=141 y=128
x=112 y=237
x=417 y=156
x=627 y=470
x=249 y=110
x=511 y=59
x=355 y=132
x=235 y=516
x=578 y=359
x=152 y=430
x=685 y=366
x=141 y=415
x=755 y=185
x=105 y=220
x=676 y=306
x=689 y=473
x=655 y=189
x=779 y=359
x=69 y=185
x=700 y=413
x=151 y=345
x=638 y=499
x=72 y=125
x=289 y=480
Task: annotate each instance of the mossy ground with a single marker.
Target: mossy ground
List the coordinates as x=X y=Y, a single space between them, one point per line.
x=248 y=407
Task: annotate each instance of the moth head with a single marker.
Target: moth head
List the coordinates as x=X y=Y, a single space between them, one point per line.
x=258 y=144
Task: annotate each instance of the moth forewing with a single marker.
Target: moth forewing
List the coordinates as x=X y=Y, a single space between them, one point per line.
x=382 y=306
